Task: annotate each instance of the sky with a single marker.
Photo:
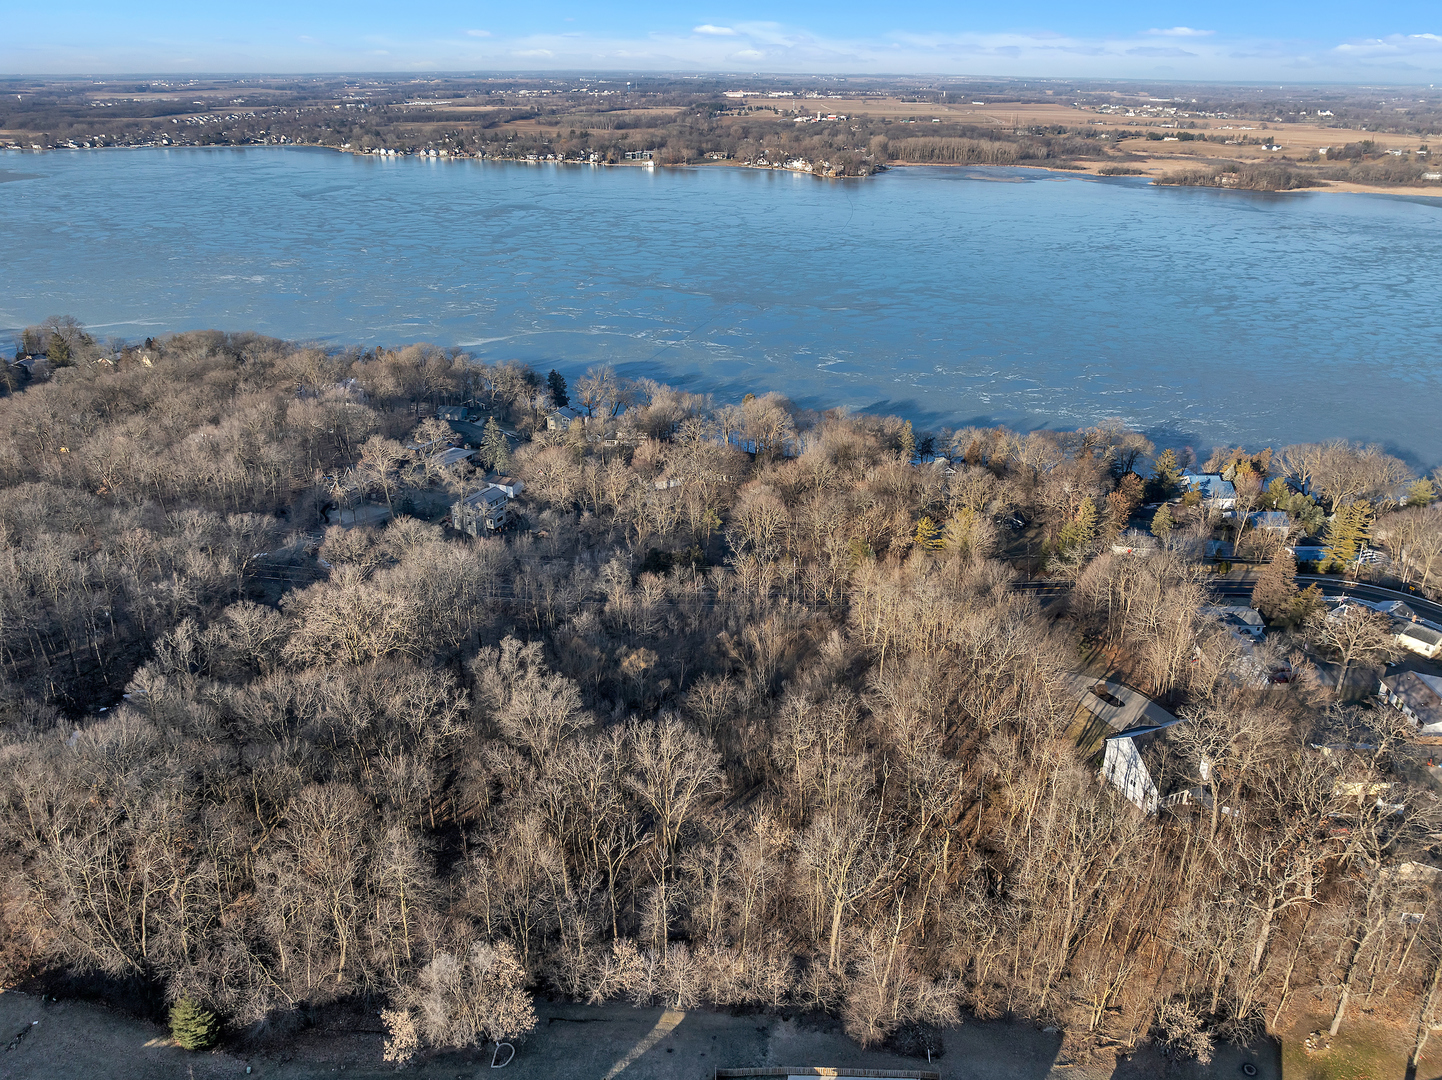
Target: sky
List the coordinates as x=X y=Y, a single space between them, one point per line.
x=1385 y=41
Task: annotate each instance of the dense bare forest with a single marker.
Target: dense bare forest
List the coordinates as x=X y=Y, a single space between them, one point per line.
x=743 y=711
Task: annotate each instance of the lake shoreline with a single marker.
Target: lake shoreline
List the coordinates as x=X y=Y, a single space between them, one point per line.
x=1343 y=187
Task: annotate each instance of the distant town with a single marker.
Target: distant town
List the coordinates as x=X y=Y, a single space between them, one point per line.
x=1343 y=138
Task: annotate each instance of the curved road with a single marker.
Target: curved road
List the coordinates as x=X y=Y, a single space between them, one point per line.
x=1232 y=587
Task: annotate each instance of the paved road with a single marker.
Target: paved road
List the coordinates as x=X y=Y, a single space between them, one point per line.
x=1233 y=587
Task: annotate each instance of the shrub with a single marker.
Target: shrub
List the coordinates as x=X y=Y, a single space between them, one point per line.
x=194 y=1026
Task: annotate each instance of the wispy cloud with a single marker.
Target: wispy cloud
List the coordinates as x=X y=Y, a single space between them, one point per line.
x=1178 y=52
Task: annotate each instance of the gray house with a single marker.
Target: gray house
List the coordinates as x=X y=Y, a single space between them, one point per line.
x=561 y=419
x=481 y=512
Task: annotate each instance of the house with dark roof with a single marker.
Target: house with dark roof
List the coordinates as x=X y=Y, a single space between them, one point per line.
x=1417 y=697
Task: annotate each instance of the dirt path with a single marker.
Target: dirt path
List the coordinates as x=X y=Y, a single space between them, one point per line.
x=83 y=1042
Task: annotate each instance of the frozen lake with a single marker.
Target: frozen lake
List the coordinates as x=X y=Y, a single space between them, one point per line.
x=949 y=295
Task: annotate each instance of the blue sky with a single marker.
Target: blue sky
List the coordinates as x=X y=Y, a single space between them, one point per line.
x=1394 y=42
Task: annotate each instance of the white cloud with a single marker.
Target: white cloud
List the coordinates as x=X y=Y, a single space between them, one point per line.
x=1392 y=45
x=747 y=46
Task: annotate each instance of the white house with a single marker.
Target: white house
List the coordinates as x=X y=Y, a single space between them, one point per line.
x=1416 y=696
x=1422 y=640
x=1133 y=762
x=509 y=484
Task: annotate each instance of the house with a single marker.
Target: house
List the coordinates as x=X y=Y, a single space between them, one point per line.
x=1308 y=550
x=1212 y=488
x=481 y=512
x=1239 y=620
x=451 y=455
x=561 y=419
x=1136 y=762
x=509 y=484
x=1422 y=640
x=452 y=412
x=1416 y=696
x=1273 y=521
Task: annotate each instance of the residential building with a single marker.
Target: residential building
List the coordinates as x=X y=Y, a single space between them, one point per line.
x=452 y=412
x=561 y=419
x=451 y=455
x=1422 y=640
x=1136 y=763
x=509 y=484
x=1239 y=619
x=1212 y=488
x=481 y=512
x=1273 y=521
x=1416 y=696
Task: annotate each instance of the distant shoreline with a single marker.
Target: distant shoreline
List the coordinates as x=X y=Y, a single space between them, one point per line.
x=1344 y=187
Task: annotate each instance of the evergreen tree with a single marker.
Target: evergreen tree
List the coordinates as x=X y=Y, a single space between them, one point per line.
x=1163 y=522
x=1276 y=591
x=1347 y=535
x=556 y=384
x=193 y=1026
x=59 y=351
x=495 y=451
x=1166 y=478
x=908 y=442
x=1081 y=530
x=928 y=535
x=1421 y=493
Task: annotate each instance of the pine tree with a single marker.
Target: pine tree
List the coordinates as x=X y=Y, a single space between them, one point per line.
x=908 y=443
x=556 y=384
x=1347 y=535
x=495 y=451
x=193 y=1026
x=1276 y=591
x=1421 y=493
x=1081 y=530
x=59 y=351
x=1166 y=478
x=1163 y=522
x=928 y=535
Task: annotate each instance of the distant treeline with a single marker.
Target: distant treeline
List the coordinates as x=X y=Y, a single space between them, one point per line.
x=1244 y=178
